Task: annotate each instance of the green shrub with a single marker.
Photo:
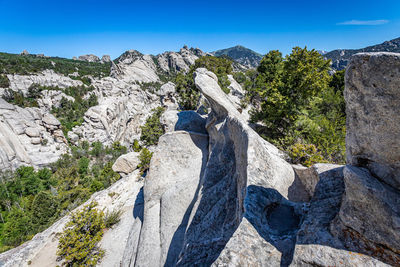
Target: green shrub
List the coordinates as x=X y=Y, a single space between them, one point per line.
x=97 y=149
x=81 y=235
x=17 y=227
x=44 y=208
x=305 y=154
x=240 y=77
x=145 y=158
x=112 y=218
x=4 y=82
x=152 y=129
x=136 y=146
x=83 y=164
x=18 y=98
x=297 y=101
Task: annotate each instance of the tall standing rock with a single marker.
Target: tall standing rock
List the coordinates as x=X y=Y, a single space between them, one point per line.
x=372 y=96
x=369 y=216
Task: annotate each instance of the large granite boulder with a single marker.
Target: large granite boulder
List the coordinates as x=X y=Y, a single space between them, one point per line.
x=126 y=163
x=372 y=97
x=132 y=67
x=369 y=216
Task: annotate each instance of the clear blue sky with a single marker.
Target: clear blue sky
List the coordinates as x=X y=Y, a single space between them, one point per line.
x=74 y=27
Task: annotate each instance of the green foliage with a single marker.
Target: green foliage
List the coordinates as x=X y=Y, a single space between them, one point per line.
x=44 y=208
x=83 y=165
x=136 y=146
x=305 y=154
x=112 y=218
x=152 y=129
x=32 y=200
x=97 y=149
x=188 y=93
x=297 y=102
x=145 y=158
x=4 y=82
x=70 y=113
x=18 y=98
x=18 y=64
x=151 y=86
x=17 y=227
x=288 y=87
x=78 y=243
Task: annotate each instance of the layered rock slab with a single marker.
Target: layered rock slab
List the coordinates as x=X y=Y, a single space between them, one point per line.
x=28 y=136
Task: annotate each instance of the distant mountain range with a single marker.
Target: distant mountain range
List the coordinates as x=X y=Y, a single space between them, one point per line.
x=340 y=57
x=240 y=54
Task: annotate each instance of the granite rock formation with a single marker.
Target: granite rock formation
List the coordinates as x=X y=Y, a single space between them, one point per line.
x=29 y=137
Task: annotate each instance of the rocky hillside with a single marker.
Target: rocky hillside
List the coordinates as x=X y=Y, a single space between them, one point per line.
x=217 y=194
x=240 y=54
x=341 y=57
x=125 y=91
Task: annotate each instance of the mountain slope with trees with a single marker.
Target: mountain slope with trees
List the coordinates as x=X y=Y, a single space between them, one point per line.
x=341 y=57
x=240 y=54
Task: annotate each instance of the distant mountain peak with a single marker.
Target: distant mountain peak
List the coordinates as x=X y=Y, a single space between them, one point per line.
x=240 y=54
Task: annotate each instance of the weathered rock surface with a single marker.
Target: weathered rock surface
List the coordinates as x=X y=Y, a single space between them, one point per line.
x=239 y=203
x=118 y=117
x=308 y=178
x=167 y=95
x=89 y=58
x=41 y=250
x=173 y=120
x=171 y=187
x=132 y=66
x=28 y=137
x=105 y=59
x=52 y=98
x=369 y=217
x=45 y=78
x=372 y=95
x=126 y=163
x=171 y=62
x=315 y=255
x=201 y=198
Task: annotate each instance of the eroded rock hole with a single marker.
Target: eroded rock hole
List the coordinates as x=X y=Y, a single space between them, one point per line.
x=282 y=219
